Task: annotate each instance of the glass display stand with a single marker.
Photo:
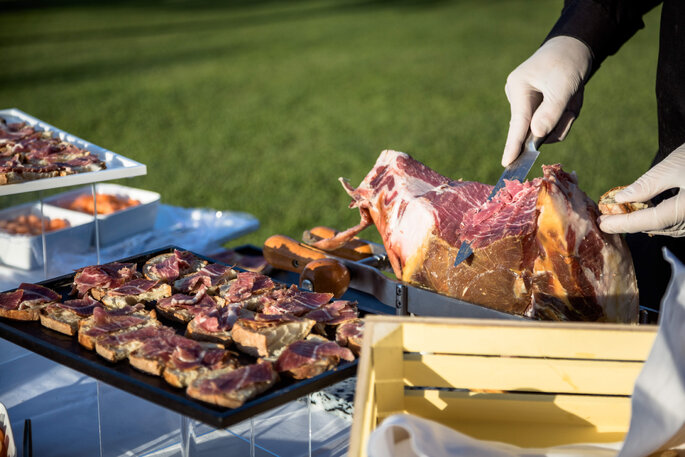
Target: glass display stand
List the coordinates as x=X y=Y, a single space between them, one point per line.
x=153 y=431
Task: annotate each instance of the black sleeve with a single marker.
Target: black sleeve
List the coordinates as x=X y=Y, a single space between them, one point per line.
x=603 y=25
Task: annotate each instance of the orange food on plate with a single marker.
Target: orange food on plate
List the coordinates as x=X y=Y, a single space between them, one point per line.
x=30 y=224
x=106 y=203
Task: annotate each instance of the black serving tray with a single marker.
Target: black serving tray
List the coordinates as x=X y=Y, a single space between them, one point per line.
x=67 y=351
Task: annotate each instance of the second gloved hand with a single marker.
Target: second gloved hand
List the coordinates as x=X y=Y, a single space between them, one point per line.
x=668 y=217
x=546 y=93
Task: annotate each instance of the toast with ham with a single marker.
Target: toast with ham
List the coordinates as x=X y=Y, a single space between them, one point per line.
x=208 y=279
x=330 y=315
x=98 y=279
x=308 y=358
x=106 y=322
x=118 y=345
x=65 y=317
x=191 y=359
x=170 y=266
x=183 y=308
x=25 y=303
x=154 y=355
x=251 y=289
x=350 y=334
x=231 y=388
x=267 y=335
x=215 y=324
x=136 y=291
x=295 y=301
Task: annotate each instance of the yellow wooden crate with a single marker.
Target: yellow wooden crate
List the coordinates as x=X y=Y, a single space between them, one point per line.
x=527 y=383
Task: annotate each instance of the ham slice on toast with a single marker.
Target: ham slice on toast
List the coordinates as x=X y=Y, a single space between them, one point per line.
x=268 y=335
x=65 y=317
x=25 y=303
x=231 y=388
x=136 y=291
x=311 y=357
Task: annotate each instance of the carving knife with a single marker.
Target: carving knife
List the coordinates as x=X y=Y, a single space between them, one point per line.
x=517 y=170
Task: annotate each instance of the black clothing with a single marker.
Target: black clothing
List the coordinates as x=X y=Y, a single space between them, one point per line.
x=604 y=25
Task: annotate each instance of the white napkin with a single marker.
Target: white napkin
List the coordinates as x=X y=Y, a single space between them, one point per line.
x=658 y=406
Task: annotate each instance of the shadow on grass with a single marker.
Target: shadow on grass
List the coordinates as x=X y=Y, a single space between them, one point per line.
x=309 y=10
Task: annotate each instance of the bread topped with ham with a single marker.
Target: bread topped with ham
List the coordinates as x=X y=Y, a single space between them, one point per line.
x=98 y=279
x=171 y=266
x=311 y=357
x=267 y=335
x=295 y=301
x=136 y=291
x=191 y=359
x=215 y=324
x=65 y=317
x=183 y=308
x=25 y=302
x=106 y=322
x=232 y=387
x=208 y=280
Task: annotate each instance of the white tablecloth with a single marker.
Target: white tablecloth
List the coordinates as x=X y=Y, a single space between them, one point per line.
x=63 y=404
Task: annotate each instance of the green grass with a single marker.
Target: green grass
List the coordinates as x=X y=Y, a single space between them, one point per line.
x=260 y=106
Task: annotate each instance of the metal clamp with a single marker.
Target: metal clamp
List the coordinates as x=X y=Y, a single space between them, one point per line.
x=401 y=300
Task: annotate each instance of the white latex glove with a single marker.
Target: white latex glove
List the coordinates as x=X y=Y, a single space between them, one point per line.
x=546 y=93
x=668 y=217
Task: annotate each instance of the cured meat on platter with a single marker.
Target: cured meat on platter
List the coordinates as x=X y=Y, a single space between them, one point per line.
x=537 y=249
x=26 y=302
x=308 y=358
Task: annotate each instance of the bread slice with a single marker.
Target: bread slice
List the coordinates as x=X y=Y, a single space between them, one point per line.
x=115 y=299
x=268 y=335
x=231 y=388
x=607 y=204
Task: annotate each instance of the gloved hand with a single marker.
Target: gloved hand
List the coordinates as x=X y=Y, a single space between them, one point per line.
x=668 y=217
x=546 y=93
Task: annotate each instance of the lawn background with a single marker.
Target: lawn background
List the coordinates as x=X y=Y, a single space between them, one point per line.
x=260 y=106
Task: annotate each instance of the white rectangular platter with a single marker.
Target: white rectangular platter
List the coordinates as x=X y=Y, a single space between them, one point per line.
x=118 y=166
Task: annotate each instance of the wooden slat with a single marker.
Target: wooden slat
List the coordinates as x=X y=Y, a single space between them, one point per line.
x=526 y=338
x=386 y=355
x=525 y=419
x=530 y=374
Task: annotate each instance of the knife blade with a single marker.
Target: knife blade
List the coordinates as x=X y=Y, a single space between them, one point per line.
x=517 y=170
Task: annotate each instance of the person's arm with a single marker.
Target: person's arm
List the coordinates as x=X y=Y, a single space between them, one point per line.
x=546 y=91
x=668 y=217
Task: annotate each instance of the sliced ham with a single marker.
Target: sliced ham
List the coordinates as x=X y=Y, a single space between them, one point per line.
x=134 y=287
x=11 y=300
x=334 y=313
x=246 y=285
x=108 y=276
x=38 y=294
x=82 y=306
x=231 y=388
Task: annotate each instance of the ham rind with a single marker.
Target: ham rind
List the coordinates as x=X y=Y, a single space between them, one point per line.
x=334 y=313
x=537 y=249
x=309 y=358
x=38 y=294
x=11 y=300
x=134 y=287
x=295 y=301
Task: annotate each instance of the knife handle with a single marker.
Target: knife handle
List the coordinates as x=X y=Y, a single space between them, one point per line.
x=287 y=254
x=354 y=249
x=325 y=275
